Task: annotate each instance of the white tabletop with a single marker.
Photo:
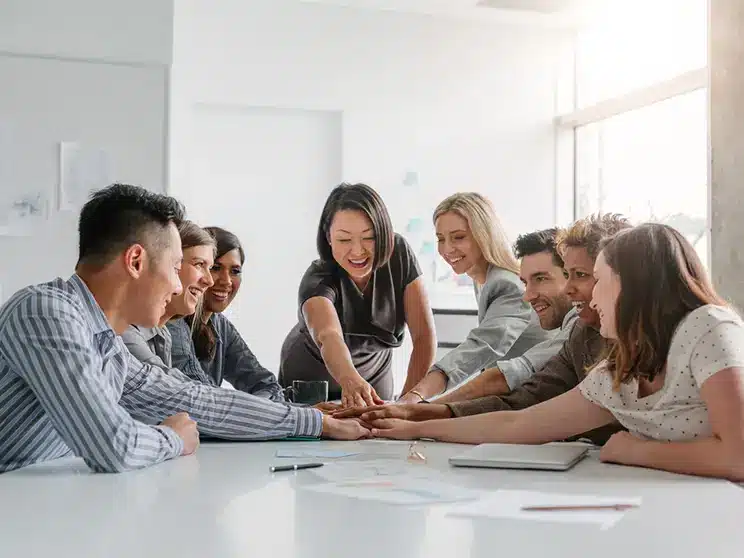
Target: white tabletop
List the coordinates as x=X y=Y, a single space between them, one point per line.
x=223 y=502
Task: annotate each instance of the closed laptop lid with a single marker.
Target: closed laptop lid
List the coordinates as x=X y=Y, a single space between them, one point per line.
x=547 y=456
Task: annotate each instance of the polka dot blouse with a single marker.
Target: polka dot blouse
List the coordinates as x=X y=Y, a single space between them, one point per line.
x=707 y=340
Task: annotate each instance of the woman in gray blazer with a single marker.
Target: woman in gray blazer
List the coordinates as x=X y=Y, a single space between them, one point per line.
x=471 y=240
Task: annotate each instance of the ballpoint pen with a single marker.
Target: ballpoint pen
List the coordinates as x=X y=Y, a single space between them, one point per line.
x=296 y=467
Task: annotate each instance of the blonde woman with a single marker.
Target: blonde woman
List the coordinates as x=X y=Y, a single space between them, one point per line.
x=471 y=240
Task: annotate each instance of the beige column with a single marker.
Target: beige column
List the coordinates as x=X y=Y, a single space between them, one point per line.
x=726 y=62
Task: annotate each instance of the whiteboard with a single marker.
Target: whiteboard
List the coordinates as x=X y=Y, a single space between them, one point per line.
x=117 y=107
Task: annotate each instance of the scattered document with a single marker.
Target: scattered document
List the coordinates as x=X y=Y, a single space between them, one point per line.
x=401 y=490
x=344 y=471
x=303 y=453
x=509 y=504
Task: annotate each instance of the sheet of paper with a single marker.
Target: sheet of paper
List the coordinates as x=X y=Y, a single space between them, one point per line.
x=401 y=490
x=308 y=452
x=83 y=169
x=343 y=471
x=508 y=504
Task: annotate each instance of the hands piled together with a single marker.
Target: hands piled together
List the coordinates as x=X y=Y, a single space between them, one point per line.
x=393 y=420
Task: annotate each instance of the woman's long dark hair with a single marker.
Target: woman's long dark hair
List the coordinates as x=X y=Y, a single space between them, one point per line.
x=661 y=281
x=205 y=340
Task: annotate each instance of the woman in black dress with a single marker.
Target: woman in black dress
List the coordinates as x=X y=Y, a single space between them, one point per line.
x=355 y=302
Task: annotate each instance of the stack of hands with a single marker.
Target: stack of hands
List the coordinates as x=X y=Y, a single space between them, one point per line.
x=396 y=420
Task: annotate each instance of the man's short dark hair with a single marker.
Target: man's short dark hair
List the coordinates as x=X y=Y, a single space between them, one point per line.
x=359 y=197
x=537 y=242
x=121 y=215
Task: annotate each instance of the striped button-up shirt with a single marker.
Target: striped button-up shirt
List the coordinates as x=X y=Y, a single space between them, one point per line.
x=68 y=384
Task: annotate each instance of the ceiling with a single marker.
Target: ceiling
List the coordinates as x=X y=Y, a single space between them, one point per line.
x=547 y=12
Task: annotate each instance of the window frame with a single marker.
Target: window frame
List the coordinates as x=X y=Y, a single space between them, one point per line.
x=567 y=125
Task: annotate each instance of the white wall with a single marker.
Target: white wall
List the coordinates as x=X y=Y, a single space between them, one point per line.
x=466 y=105
x=248 y=159
x=138 y=31
x=84 y=70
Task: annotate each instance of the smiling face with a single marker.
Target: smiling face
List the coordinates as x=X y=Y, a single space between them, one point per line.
x=195 y=277
x=456 y=244
x=544 y=283
x=604 y=298
x=352 y=240
x=157 y=280
x=227 y=273
x=579 y=272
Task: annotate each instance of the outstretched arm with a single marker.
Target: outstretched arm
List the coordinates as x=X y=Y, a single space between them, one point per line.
x=556 y=419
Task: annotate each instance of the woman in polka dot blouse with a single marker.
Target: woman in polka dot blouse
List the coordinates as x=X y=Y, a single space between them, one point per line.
x=674 y=376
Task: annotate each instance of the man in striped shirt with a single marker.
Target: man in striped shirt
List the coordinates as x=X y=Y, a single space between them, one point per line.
x=69 y=385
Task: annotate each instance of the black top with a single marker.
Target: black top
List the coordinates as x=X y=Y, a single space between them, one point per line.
x=375 y=322
x=371 y=324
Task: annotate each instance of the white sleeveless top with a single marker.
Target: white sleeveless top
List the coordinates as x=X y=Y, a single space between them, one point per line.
x=707 y=340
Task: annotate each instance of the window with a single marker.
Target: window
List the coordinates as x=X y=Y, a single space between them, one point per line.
x=641 y=125
x=637 y=44
x=651 y=164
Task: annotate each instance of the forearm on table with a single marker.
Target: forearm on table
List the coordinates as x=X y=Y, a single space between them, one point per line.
x=709 y=457
x=235 y=415
x=489 y=382
x=507 y=427
x=477 y=429
x=221 y=413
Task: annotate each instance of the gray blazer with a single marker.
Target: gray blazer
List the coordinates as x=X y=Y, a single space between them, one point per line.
x=154 y=345
x=149 y=345
x=507 y=327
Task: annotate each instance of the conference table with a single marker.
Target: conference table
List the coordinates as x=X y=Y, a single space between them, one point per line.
x=224 y=502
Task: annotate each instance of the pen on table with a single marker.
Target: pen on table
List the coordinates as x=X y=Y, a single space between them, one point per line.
x=296 y=467
x=599 y=507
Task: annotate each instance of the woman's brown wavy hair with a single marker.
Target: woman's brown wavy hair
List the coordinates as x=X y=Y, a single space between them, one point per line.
x=661 y=281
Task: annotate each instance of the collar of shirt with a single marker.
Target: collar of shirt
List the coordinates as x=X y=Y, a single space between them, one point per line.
x=149 y=333
x=98 y=321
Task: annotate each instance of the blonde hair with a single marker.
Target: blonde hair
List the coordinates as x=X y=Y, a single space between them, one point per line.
x=484 y=225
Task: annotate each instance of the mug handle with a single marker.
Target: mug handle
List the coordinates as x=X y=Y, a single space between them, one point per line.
x=289 y=394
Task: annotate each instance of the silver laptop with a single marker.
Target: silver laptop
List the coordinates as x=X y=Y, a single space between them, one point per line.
x=552 y=457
